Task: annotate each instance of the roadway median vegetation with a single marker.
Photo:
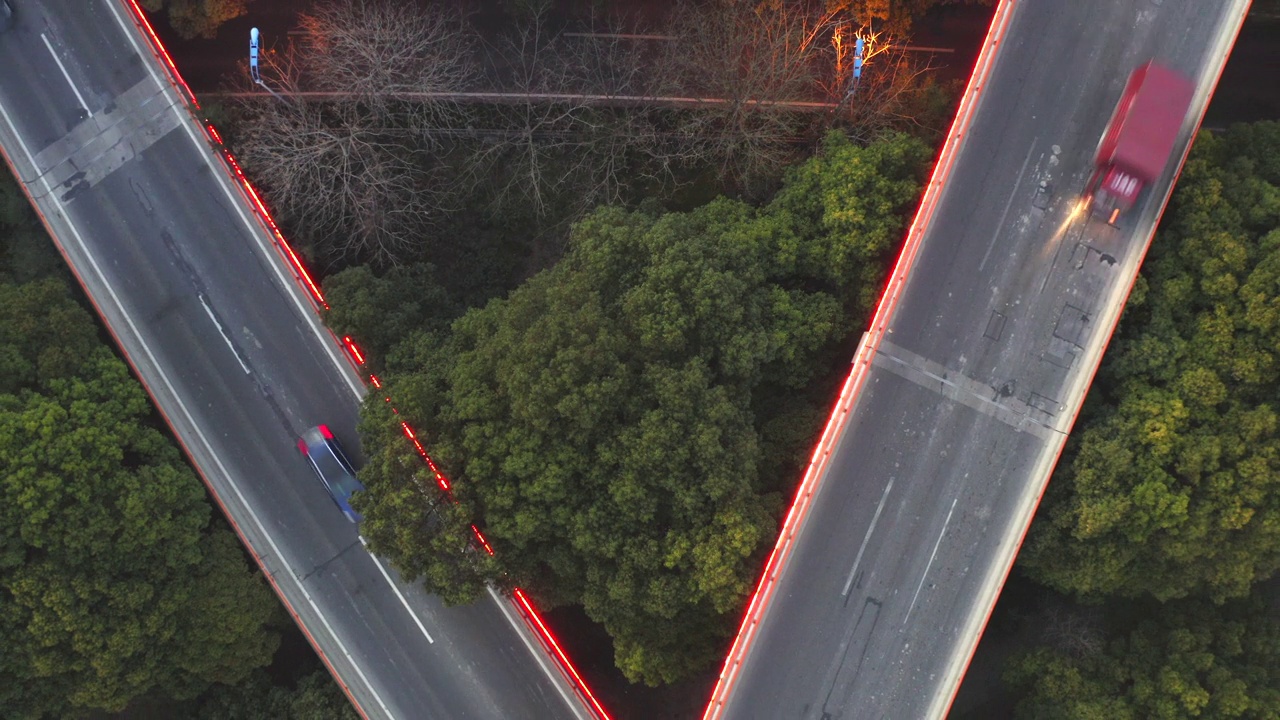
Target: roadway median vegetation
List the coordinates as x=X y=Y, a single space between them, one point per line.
x=614 y=320
x=625 y=425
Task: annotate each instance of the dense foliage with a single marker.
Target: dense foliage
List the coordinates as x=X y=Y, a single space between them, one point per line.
x=25 y=252
x=314 y=697
x=383 y=310
x=115 y=581
x=1171 y=485
x=625 y=421
x=1186 y=659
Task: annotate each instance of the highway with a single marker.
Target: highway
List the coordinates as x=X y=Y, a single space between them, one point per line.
x=970 y=377
x=231 y=349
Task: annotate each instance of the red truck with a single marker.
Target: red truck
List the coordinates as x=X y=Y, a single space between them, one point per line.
x=1139 y=139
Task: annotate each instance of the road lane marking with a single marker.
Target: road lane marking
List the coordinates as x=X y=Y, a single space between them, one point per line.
x=874 y=519
x=223 y=333
x=63 y=68
x=396 y=590
x=1016 y=185
x=932 y=555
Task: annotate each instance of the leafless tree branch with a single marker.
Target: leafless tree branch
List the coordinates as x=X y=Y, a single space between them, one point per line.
x=375 y=49
x=892 y=93
x=334 y=172
x=366 y=170
x=570 y=147
x=747 y=55
x=1075 y=631
x=341 y=184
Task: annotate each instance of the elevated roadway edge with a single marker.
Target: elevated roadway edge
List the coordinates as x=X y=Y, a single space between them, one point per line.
x=964 y=388
x=115 y=111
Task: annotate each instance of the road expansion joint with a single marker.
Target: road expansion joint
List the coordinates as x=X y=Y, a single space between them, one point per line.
x=101 y=144
x=1002 y=403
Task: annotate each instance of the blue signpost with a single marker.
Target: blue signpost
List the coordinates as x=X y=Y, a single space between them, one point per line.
x=253 y=64
x=859 y=46
x=253 y=56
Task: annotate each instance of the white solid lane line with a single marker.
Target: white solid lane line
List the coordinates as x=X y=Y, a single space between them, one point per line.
x=208 y=311
x=932 y=555
x=403 y=600
x=874 y=519
x=63 y=68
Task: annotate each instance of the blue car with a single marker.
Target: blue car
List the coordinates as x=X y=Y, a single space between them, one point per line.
x=332 y=467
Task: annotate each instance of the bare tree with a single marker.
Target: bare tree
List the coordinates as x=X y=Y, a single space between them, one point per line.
x=559 y=138
x=372 y=51
x=580 y=120
x=358 y=172
x=892 y=94
x=740 y=62
x=1074 y=630
x=353 y=187
x=770 y=78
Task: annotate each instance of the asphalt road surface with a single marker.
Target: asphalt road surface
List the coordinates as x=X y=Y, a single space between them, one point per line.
x=981 y=369
x=235 y=357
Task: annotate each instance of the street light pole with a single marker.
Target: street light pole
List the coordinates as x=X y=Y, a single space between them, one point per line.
x=253 y=64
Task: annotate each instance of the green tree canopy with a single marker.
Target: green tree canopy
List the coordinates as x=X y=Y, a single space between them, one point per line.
x=382 y=310
x=626 y=422
x=114 y=582
x=1184 y=660
x=315 y=697
x=410 y=518
x=25 y=250
x=1171 y=485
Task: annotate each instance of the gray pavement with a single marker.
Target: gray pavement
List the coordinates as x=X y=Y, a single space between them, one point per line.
x=975 y=378
x=233 y=354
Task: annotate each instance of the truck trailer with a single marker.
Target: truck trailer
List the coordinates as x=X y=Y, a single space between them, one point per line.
x=1139 y=139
